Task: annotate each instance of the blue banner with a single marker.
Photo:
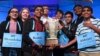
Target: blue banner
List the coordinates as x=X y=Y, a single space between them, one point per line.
x=12 y=40
x=63 y=39
x=38 y=37
x=86 y=40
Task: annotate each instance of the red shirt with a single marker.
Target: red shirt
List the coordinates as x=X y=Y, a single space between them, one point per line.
x=39 y=26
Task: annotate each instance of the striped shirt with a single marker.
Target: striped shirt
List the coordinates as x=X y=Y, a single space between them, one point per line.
x=82 y=29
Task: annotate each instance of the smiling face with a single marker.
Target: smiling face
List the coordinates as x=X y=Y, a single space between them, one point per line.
x=38 y=12
x=13 y=14
x=25 y=14
x=59 y=15
x=86 y=13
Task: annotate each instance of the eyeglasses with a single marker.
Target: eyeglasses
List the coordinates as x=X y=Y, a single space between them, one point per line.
x=14 y=11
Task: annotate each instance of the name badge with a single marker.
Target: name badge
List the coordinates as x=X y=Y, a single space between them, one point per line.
x=63 y=39
x=12 y=40
x=38 y=37
x=86 y=40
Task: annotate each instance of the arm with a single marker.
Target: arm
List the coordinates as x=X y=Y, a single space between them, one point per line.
x=26 y=30
x=70 y=43
x=2 y=29
x=97 y=30
x=90 y=25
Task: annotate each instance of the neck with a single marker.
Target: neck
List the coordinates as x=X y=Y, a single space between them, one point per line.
x=37 y=18
x=79 y=15
x=13 y=20
x=86 y=19
x=45 y=15
x=67 y=24
x=23 y=20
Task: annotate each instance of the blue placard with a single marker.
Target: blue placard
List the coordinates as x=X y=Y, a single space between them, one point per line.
x=12 y=40
x=38 y=37
x=63 y=39
x=86 y=40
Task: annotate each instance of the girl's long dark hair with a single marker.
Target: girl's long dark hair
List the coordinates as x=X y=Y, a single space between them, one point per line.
x=8 y=17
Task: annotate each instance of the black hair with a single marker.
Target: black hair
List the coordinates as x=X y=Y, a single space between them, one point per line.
x=69 y=12
x=59 y=11
x=38 y=6
x=89 y=7
x=78 y=5
x=8 y=17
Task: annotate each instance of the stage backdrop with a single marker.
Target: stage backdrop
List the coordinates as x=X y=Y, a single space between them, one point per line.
x=64 y=5
x=67 y=5
x=5 y=5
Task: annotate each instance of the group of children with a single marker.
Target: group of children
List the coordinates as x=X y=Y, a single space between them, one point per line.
x=22 y=23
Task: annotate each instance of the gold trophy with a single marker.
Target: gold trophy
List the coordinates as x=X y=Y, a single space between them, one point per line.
x=52 y=31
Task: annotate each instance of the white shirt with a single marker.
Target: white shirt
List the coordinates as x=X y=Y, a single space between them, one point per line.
x=44 y=19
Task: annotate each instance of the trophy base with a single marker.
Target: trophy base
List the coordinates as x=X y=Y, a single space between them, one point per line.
x=52 y=41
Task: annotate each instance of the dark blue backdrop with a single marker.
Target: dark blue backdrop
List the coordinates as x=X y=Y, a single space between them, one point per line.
x=67 y=5
x=64 y=5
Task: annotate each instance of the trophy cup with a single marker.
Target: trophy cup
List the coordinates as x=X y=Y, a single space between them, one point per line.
x=52 y=31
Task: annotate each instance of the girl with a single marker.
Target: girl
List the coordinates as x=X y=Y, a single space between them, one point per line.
x=12 y=25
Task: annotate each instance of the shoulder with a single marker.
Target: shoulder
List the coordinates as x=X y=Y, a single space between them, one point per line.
x=29 y=20
x=80 y=25
x=97 y=19
x=28 y=23
x=21 y=23
x=4 y=23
